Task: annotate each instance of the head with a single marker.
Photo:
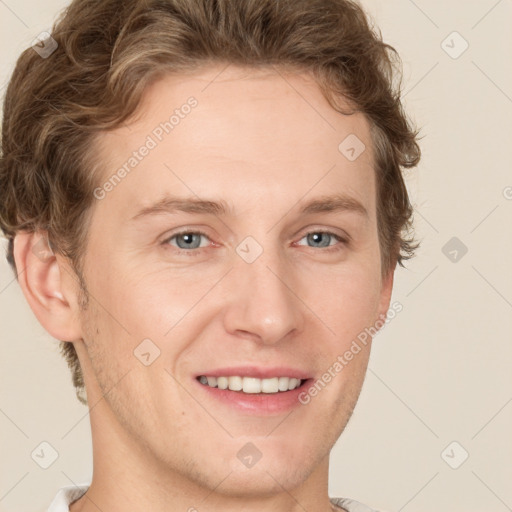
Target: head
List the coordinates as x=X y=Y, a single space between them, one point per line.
x=245 y=107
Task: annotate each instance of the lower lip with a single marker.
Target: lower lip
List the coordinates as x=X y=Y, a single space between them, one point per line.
x=257 y=403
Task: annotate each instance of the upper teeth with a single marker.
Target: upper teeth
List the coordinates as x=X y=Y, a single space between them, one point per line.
x=252 y=384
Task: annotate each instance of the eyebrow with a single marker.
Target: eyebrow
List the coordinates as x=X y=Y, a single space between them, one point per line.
x=324 y=204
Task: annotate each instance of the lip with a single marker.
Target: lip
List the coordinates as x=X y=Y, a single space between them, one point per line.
x=257 y=372
x=256 y=404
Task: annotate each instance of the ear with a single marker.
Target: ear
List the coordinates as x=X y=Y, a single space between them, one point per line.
x=386 y=291
x=40 y=276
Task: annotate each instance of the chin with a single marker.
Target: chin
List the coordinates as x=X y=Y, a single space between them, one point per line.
x=263 y=480
x=276 y=465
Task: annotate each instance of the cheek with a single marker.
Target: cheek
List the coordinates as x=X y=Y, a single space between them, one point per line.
x=346 y=300
x=135 y=304
x=157 y=313
x=158 y=303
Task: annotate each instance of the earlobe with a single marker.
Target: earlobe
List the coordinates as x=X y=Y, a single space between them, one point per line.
x=40 y=278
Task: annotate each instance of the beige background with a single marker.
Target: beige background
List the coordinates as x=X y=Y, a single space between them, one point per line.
x=440 y=371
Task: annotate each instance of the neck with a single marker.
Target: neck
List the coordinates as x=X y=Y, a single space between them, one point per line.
x=128 y=476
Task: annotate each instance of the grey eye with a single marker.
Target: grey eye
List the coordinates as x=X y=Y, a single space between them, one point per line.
x=189 y=240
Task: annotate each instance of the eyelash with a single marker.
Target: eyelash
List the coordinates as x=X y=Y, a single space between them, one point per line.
x=192 y=252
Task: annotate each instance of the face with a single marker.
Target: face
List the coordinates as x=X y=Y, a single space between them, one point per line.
x=243 y=242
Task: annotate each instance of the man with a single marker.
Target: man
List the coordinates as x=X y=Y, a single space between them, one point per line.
x=204 y=202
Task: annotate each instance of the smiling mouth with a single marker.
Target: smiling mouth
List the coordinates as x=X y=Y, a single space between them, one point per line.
x=252 y=385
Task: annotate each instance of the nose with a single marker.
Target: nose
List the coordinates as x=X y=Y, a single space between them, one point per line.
x=263 y=304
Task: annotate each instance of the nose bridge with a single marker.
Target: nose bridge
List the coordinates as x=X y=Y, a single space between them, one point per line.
x=263 y=303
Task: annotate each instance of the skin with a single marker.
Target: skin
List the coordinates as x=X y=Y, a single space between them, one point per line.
x=265 y=143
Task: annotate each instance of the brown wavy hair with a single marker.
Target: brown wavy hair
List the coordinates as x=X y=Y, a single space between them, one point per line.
x=109 y=51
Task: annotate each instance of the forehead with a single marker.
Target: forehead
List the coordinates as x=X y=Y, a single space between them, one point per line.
x=252 y=128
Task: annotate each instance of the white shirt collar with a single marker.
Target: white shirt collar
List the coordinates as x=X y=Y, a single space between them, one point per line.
x=67 y=495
